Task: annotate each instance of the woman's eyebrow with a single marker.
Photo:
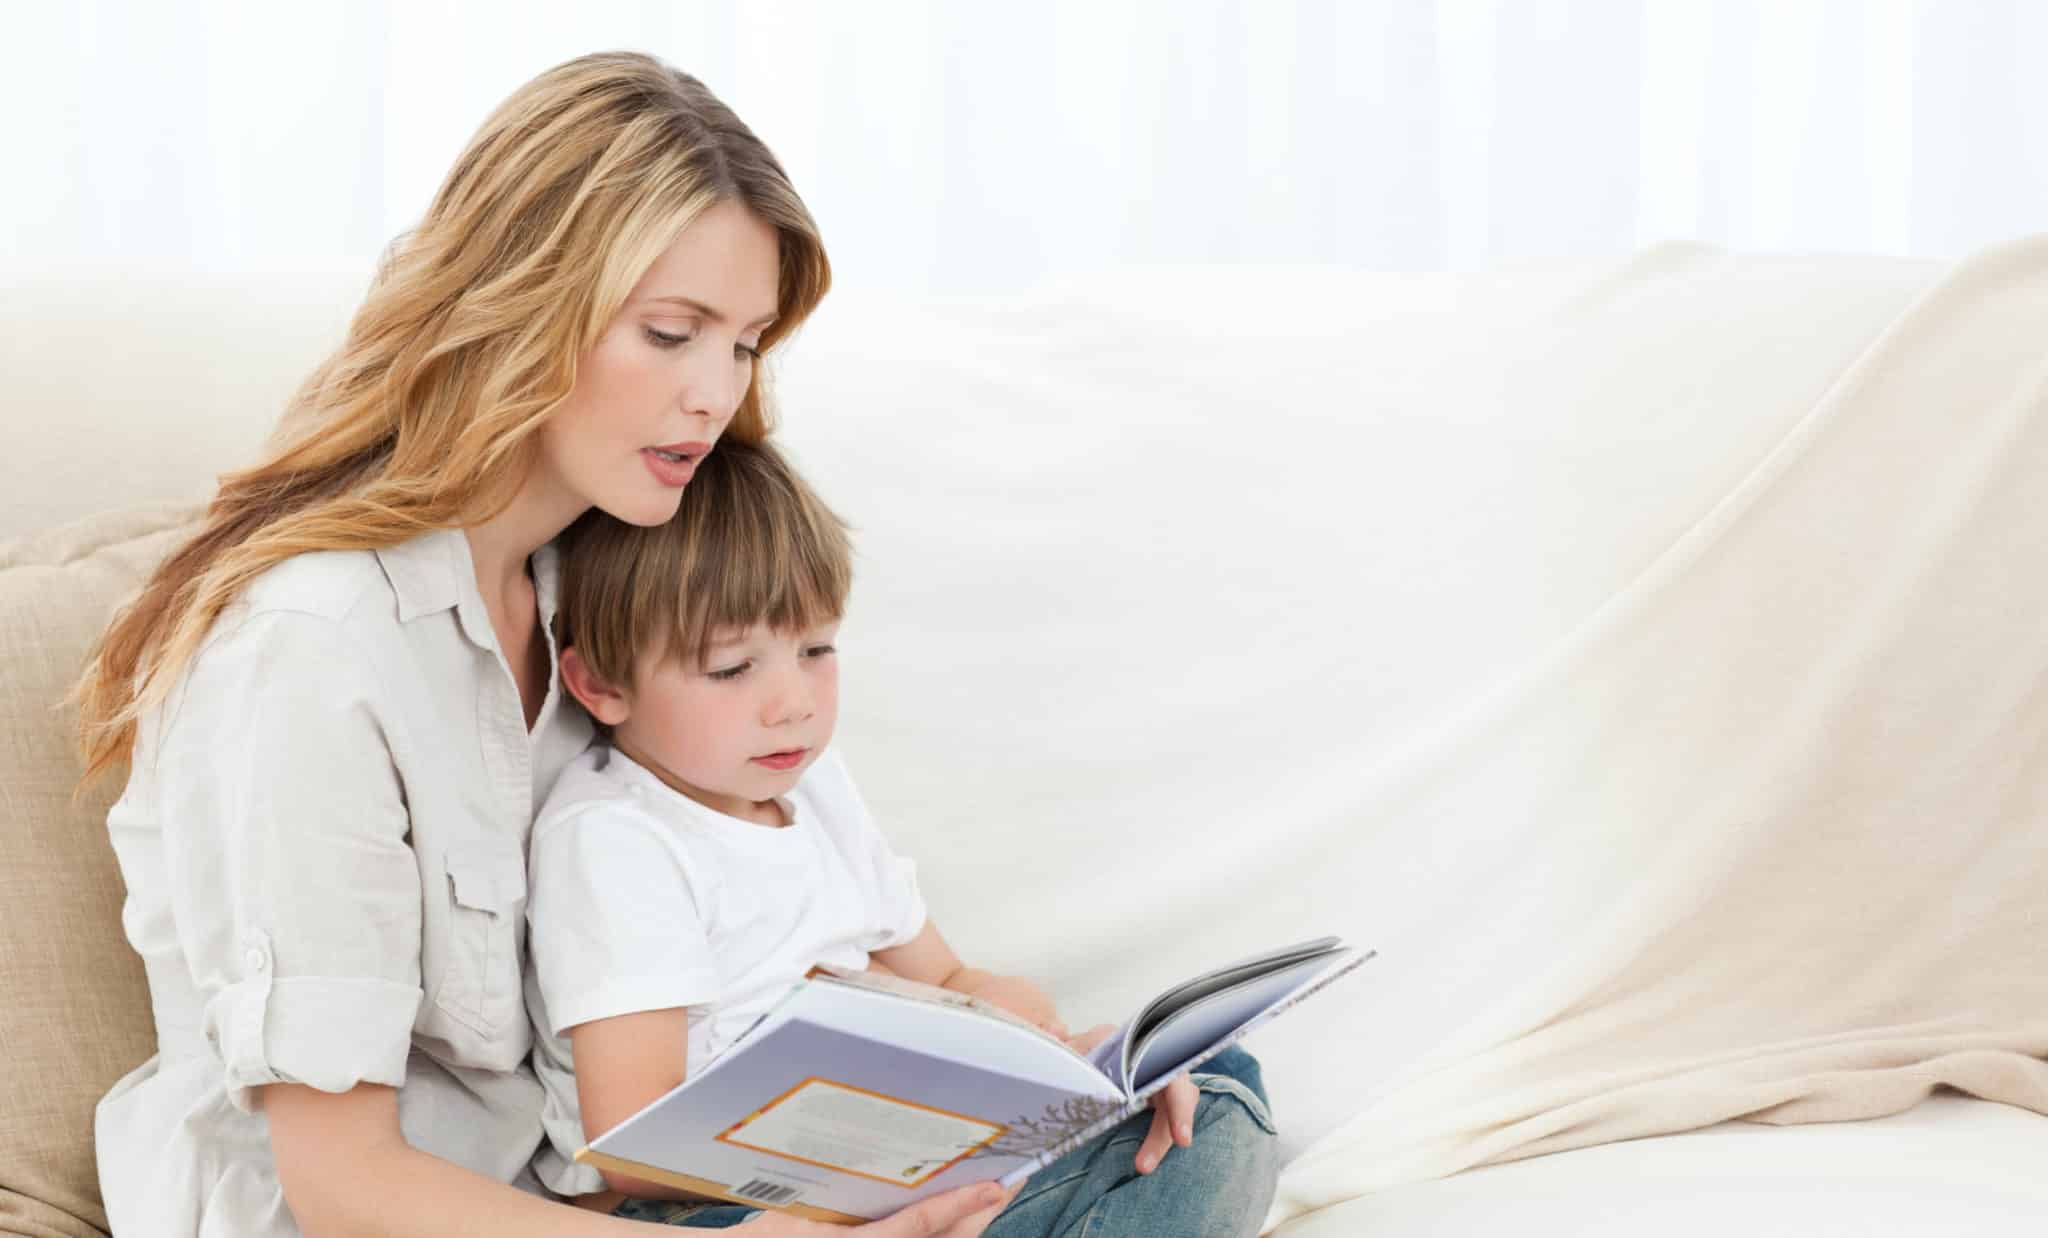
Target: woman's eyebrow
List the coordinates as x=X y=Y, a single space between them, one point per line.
x=710 y=313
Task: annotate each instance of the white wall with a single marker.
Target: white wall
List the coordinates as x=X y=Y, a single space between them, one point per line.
x=981 y=147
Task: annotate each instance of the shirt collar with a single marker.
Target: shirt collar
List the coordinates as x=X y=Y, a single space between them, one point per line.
x=429 y=573
x=679 y=808
x=433 y=572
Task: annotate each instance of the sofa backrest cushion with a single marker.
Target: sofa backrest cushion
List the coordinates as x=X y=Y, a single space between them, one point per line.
x=205 y=363
x=75 y=1012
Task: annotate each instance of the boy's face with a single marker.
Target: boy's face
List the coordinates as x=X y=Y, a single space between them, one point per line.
x=742 y=727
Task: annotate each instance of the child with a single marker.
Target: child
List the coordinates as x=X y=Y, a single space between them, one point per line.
x=714 y=851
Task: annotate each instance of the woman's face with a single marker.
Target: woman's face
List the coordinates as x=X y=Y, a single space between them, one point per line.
x=663 y=381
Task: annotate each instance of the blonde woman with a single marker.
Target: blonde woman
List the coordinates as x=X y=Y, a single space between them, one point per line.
x=337 y=704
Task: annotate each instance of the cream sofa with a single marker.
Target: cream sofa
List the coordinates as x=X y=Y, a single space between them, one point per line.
x=1161 y=573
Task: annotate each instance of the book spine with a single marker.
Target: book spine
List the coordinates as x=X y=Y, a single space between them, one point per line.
x=1142 y=1100
x=1144 y=1097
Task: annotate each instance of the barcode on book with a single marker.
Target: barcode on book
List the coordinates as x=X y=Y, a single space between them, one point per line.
x=767 y=1191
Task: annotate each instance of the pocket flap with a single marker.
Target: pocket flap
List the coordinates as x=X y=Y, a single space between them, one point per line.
x=486 y=876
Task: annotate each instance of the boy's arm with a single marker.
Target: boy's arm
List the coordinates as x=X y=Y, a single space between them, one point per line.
x=622 y=1064
x=928 y=959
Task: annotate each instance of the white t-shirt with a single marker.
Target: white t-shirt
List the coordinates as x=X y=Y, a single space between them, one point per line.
x=643 y=899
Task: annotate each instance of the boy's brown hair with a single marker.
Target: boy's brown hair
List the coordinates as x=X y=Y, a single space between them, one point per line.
x=751 y=543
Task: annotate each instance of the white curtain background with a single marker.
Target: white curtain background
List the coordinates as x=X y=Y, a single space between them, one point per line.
x=965 y=147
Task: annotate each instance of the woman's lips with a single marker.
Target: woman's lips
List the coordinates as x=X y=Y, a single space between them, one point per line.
x=789 y=759
x=669 y=472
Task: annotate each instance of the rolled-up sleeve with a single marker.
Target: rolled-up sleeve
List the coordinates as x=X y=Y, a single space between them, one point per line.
x=296 y=891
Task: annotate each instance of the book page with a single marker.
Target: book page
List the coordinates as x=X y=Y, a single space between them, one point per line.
x=1232 y=976
x=1221 y=1017
x=918 y=991
x=857 y=1131
x=947 y=1026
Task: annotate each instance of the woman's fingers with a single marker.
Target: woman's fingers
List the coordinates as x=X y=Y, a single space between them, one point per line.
x=963 y=1213
x=1173 y=1122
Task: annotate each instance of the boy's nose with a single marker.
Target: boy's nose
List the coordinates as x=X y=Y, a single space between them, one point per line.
x=790 y=703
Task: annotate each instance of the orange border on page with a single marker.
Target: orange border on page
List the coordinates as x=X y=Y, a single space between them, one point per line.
x=726 y=1136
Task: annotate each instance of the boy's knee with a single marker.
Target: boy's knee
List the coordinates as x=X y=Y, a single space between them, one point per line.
x=1235 y=1064
x=1239 y=1151
x=1229 y=1101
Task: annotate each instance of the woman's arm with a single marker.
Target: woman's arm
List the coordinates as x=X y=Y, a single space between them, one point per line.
x=347 y=1170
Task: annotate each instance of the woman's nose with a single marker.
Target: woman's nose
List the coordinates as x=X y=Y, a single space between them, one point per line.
x=712 y=389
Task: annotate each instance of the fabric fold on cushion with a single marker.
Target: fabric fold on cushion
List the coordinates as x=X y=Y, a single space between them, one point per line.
x=1789 y=827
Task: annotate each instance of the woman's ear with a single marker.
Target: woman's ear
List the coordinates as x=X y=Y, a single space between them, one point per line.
x=606 y=703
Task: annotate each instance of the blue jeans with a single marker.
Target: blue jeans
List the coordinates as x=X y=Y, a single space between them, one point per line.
x=1218 y=1188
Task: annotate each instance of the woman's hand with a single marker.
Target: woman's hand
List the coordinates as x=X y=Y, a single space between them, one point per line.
x=1173 y=1107
x=961 y=1213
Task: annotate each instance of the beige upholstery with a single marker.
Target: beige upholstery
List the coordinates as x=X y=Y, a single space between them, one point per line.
x=126 y=392
x=76 y=1015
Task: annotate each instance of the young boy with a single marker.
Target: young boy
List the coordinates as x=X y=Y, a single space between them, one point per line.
x=714 y=850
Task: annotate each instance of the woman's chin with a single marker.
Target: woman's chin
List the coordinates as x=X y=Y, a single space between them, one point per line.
x=645 y=510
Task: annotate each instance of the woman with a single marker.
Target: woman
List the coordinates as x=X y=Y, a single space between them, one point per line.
x=338 y=702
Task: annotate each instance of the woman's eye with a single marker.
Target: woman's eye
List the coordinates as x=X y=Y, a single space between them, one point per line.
x=662 y=339
x=745 y=352
x=724 y=673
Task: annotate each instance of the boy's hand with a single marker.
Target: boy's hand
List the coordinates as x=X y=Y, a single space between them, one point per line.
x=1173 y=1106
x=1015 y=994
x=1173 y=1122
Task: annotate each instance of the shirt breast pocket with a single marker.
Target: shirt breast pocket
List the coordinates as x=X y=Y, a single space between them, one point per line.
x=483 y=924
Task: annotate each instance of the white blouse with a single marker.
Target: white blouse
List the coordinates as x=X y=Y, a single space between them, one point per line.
x=324 y=842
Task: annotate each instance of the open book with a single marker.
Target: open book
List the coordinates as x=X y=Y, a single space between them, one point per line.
x=859 y=1094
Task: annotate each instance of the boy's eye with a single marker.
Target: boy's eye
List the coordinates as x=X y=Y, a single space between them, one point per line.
x=724 y=673
x=819 y=651
x=662 y=339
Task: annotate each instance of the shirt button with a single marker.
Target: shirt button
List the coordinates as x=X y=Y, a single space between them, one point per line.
x=257 y=960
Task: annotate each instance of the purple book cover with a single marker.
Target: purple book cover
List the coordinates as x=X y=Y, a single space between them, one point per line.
x=850 y=1101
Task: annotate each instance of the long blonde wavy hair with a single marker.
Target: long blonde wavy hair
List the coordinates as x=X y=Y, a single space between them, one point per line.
x=466 y=341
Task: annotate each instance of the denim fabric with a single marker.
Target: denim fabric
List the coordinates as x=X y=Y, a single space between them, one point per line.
x=1218 y=1188
x=689 y=1216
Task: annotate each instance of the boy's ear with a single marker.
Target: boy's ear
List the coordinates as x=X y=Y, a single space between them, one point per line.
x=606 y=703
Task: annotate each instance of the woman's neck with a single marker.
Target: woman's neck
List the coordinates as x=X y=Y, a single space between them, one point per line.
x=499 y=547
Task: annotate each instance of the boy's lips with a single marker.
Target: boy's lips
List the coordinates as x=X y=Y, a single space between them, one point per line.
x=788 y=758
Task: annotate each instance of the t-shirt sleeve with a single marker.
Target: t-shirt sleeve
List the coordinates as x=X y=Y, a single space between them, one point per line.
x=295 y=892
x=615 y=917
x=896 y=905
